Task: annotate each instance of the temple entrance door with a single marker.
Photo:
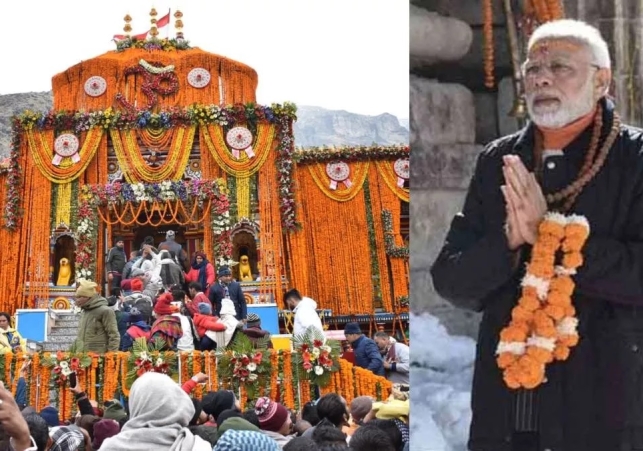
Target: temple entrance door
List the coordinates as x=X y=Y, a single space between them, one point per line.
x=158 y=233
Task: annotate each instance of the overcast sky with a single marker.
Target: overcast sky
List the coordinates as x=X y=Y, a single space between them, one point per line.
x=337 y=54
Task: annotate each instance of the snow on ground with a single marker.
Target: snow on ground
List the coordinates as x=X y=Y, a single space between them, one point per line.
x=441 y=378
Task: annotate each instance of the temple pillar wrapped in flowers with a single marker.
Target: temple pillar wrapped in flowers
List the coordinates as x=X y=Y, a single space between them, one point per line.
x=157 y=135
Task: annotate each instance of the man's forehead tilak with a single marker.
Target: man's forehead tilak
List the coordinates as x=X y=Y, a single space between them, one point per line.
x=550 y=47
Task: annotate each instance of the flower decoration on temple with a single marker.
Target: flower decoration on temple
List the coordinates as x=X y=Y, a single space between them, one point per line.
x=93 y=197
x=95 y=86
x=543 y=325
x=316 y=356
x=167 y=45
x=280 y=114
x=392 y=250
x=155 y=69
x=64 y=364
x=222 y=228
x=66 y=145
x=240 y=139
x=158 y=81
x=402 y=170
x=199 y=77
x=338 y=172
x=349 y=153
x=145 y=358
x=245 y=363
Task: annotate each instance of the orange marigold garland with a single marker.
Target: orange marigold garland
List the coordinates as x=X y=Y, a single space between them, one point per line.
x=487 y=29
x=543 y=325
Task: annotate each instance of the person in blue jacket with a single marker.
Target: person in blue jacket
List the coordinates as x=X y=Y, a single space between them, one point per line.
x=367 y=354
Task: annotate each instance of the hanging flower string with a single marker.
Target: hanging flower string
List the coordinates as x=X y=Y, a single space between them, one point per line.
x=543 y=327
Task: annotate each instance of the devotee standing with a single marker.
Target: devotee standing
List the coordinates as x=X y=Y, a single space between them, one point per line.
x=226 y=288
x=116 y=260
x=171 y=245
x=305 y=310
x=97 y=328
x=574 y=157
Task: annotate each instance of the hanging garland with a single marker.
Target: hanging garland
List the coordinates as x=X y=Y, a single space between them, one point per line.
x=393 y=179
x=197 y=193
x=375 y=264
x=136 y=169
x=244 y=166
x=535 y=12
x=389 y=238
x=350 y=153
x=62 y=173
x=543 y=324
x=12 y=212
x=358 y=170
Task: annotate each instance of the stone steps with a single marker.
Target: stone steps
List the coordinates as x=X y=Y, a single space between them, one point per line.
x=63 y=333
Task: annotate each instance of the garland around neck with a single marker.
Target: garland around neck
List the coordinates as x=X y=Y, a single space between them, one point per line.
x=543 y=325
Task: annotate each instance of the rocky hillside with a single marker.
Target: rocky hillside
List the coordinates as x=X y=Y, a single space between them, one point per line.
x=315 y=126
x=12 y=104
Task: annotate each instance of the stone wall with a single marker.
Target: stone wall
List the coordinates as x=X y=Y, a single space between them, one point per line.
x=451 y=116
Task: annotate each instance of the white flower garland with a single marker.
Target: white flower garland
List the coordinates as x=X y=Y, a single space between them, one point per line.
x=155 y=70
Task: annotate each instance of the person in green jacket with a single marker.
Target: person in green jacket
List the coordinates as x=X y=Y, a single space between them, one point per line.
x=97 y=329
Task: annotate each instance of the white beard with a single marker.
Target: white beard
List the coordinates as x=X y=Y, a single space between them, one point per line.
x=567 y=112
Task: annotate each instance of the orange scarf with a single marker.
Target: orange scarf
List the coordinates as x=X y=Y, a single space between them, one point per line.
x=559 y=138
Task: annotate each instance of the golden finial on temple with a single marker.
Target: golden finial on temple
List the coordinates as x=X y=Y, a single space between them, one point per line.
x=178 y=24
x=127 y=28
x=153 y=31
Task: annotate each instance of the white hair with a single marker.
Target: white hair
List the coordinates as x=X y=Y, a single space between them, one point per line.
x=575 y=30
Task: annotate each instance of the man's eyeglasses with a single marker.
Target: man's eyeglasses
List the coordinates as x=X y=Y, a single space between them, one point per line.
x=557 y=69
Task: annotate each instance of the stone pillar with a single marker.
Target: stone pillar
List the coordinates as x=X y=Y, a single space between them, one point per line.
x=443 y=151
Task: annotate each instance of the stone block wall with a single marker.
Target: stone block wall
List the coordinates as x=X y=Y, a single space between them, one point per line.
x=452 y=116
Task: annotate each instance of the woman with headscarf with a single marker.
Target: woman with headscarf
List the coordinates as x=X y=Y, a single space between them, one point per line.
x=10 y=339
x=160 y=413
x=201 y=271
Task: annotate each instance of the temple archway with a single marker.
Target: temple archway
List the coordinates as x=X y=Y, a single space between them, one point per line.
x=64 y=246
x=244 y=238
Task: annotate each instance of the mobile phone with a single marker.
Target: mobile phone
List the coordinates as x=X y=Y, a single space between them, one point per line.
x=72 y=379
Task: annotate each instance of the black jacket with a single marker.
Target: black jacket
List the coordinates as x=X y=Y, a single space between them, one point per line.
x=216 y=294
x=594 y=400
x=115 y=260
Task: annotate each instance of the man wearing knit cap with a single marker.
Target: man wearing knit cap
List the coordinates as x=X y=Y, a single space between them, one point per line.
x=367 y=354
x=65 y=438
x=245 y=441
x=274 y=420
x=103 y=430
x=50 y=415
x=97 y=328
x=254 y=331
x=228 y=288
x=116 y=260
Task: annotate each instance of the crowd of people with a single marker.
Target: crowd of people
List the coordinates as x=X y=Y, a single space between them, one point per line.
x=161 y=415
x=153 y=297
